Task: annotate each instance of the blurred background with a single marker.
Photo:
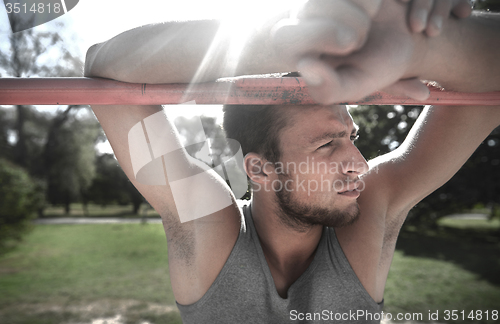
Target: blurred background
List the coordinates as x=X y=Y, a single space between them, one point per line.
x=56 y=164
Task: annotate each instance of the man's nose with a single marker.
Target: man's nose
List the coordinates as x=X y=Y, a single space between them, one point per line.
x=355 y=163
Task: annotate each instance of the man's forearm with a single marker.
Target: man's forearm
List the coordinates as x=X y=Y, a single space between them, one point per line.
x=462 y=58
x=465 y=56
x=176 y=52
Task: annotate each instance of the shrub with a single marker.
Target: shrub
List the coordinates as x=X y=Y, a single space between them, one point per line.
x=20 y=198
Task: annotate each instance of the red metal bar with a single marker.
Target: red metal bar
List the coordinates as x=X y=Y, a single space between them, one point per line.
x=247 y=91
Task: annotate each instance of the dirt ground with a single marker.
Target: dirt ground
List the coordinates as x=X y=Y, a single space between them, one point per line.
x=97 y=312
x=116 y=311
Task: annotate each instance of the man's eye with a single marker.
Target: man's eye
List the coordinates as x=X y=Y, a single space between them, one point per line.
x=354 y=137
x=326 y=145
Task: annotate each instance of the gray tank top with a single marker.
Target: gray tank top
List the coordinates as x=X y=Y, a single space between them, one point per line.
x=244 y=292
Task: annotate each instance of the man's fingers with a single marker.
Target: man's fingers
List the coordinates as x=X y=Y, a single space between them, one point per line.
x=324 y=27
x=347 y=83
x=328 y=86
x=440 y=12
x=412 y=88
x=294 y=38
x=419 y=14
x=461 y=8
x=323 y=83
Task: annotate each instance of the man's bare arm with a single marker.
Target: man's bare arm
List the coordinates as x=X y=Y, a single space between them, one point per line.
x=173 y=52
x=440 y=142
x=466 y=58
x=176 y=52
x=199 y=51
x=193 y=265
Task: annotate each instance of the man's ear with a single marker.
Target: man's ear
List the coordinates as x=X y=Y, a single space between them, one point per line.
x=258 y=168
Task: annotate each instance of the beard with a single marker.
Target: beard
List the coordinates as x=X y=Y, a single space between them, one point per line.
x=302 y=216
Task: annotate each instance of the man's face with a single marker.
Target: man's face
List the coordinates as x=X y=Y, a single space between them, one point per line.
x=319 y=168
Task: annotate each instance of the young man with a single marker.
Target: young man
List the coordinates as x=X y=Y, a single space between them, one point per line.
x=297 y=251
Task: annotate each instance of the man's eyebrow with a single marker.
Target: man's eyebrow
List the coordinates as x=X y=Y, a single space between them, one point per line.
x=332 y=136
x=326 y=136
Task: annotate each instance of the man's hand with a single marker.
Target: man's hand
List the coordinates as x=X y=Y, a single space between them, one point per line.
x=336 y=27
x=378 y=61
x=382 y=61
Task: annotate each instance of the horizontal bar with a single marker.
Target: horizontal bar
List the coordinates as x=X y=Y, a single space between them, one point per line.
x=244 y=90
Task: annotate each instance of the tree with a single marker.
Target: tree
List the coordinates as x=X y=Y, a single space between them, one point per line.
x=190 y=132
x=490 y=5
x=111 y=185
x=383 y=128
x=5 y=146
x=69 y=156
x=221 y=148
x=45 y=144
x=31 y=53
x=21 y=198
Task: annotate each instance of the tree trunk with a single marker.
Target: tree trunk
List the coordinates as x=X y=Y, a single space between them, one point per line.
x=85 y=205
x=21 y=148
x=136 y=205
x=67 y=206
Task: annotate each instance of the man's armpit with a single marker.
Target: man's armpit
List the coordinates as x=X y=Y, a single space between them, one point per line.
x=180 y=239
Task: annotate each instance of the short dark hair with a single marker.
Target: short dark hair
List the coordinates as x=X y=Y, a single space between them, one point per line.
x=256 y=128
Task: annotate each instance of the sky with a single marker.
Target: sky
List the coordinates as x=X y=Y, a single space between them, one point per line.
x=94 y=21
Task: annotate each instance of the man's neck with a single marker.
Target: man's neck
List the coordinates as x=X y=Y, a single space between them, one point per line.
x=287 y=251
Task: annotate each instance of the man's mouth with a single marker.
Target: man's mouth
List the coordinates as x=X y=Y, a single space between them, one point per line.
x=351 y=190
x=354 y=193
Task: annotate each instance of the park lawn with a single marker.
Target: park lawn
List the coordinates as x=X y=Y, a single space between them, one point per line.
x=426 y=285
x=61 y=269
x=453 y=267
x=114 y=210
x=471 y=223
x=77 y=273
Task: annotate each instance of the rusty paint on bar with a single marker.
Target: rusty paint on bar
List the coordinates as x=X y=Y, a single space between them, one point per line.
x=245 y=91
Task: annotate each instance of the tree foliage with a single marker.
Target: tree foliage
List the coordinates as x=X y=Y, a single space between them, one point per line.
x=69 y=156
x=190 y=133
x=55 y=148
x=21 y=197
x=490 y=5
x=383 y=128
x=220 y=149
x=111 y=185
x=27 y=54
x=5 y=126
x=34 y=53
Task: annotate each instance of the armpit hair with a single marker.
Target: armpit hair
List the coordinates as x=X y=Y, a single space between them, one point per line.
x=180 y=240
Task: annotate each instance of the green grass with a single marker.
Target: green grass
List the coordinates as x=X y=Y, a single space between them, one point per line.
x=470 y=223
x=77 y=273
x=77 y=210
x=72 y=265
x=454 y=267
x=420 y=285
